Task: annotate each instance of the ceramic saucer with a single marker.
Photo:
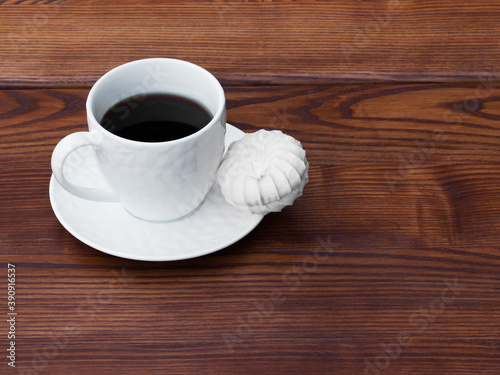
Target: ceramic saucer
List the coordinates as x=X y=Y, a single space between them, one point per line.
x=109 y=228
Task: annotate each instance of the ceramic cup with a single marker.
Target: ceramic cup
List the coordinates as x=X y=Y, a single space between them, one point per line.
x=158 y=181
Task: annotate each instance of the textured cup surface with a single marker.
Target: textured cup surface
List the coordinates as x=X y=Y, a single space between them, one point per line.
x=156 y=181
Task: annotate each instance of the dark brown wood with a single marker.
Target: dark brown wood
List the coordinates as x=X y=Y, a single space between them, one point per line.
x=388 y=264
x=390 y=258
x=74 y=42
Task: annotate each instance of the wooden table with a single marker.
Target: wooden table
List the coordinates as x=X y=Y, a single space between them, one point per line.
x=388 y=264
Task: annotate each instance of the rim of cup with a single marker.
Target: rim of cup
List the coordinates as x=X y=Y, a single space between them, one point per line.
x=102 y=81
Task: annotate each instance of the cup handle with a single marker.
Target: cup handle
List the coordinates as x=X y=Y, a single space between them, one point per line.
x=63 y=149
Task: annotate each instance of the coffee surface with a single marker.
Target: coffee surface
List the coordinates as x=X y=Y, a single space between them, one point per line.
x=156 y=118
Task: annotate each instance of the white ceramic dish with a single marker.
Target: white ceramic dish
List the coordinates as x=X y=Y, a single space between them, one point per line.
x=109 y=228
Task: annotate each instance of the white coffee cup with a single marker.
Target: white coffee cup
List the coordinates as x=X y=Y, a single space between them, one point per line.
x=156 y=181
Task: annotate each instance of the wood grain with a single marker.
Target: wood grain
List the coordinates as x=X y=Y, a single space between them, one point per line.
x=402 y=203
x=72 y=43
x=389 y=262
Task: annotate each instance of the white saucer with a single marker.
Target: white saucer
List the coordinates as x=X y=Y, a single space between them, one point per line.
x=109 y=228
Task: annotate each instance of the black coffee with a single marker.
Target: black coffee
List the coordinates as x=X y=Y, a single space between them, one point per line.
x=156 y=118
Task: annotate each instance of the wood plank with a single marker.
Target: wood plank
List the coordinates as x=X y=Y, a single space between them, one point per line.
x=401 y=204
x=74 y=42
